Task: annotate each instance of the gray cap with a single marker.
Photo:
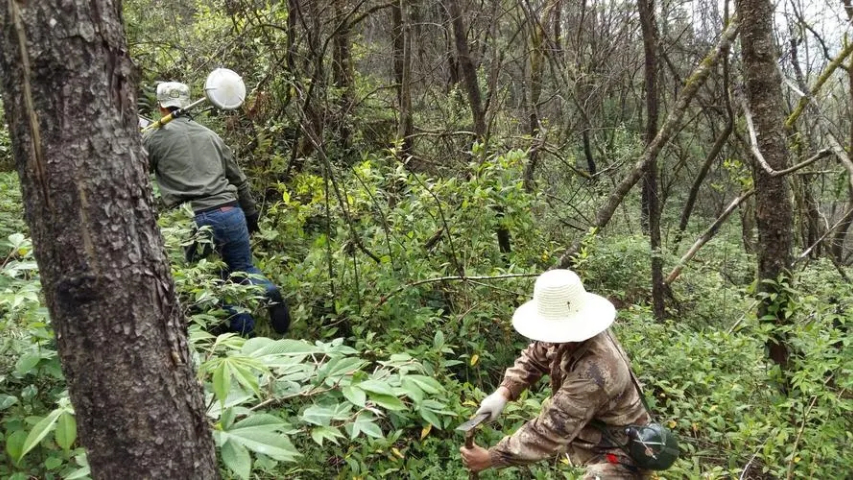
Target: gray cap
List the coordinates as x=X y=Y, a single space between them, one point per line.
x=173 y=94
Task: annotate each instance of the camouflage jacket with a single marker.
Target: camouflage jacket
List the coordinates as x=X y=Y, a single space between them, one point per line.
x=589 y=380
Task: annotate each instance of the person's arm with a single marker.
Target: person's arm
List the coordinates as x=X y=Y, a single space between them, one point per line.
x=527 y=370
x=236 y=177
x=569 y=411
x=148 y=149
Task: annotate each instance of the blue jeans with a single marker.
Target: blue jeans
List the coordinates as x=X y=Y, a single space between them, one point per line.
x=231 y=240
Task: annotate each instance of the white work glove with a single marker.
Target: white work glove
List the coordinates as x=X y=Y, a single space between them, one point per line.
x=493 y=405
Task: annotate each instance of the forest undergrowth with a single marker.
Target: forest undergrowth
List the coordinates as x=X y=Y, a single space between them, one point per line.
x=401 y=299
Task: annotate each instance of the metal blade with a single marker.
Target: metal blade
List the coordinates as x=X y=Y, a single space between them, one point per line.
x=473 y=422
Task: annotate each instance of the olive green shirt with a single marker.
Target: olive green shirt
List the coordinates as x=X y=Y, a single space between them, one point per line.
x=193 y=164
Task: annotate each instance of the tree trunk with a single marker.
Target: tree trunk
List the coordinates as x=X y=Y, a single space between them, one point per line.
x=673 y=120
x=467 y=69
x=651 y=204
x=402 y=73
x=342 y=71
x=773 y=211
x=71 y=107
x=537 y=66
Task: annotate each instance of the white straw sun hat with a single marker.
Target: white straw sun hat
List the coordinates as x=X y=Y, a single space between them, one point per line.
x=562 y=311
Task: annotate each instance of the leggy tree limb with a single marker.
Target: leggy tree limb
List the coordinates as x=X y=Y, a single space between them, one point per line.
x=691 y=87
x=707 y=235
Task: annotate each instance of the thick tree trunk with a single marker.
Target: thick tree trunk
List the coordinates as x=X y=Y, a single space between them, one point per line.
x=773 y=209
x=70 y=99
x=650 y=215
x=467 y=69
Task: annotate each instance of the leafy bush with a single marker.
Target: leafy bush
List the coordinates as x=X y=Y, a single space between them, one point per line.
x=398 y=358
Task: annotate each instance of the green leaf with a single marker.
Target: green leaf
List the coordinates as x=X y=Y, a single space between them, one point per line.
x=271 y=444
x=318 y=415
x=356 y=396
x=82 y=472
x=52 y=463
x=340 y=367
x=389 y=402
x=430 y=417
x=427 y=384
x=66 y=430
x=412 y=390
x=438 y=341
x=237 y=459
x=271 y=422
x=40 y=430
x=365 y=422
x=222 y=381
x=376 y=386
x=262 y=433
x=27 y=363
x=7 y=401
x=326 y=433
x=15 y=444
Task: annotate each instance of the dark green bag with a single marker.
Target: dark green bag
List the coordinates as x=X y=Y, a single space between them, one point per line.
x=651 y=446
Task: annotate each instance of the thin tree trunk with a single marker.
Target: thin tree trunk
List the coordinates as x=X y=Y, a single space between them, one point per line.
x=342 y=72
x=402 y=74
x=763 y=85
x=694 y=82
x=537 y=66
x=70 y=101
x=651 y=204
x=467 y=69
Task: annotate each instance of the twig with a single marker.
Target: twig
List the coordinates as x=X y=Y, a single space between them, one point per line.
x=800 y=435
x=453 y=277
x=459 y=268
x=828 y=231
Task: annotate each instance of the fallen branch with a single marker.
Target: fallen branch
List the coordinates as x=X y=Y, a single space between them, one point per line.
x=705 y=237
x=807 y=251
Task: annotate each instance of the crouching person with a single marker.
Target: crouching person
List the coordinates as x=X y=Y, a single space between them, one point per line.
x=593 y=394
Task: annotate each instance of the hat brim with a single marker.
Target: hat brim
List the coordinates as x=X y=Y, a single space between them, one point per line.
x=172 y=103
x=596 y=315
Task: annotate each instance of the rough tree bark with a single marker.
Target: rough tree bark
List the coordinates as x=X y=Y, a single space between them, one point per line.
x=343 y=74
x=467 y=69
x=537 y=67
x=773 y=211
x=402 y=73
x=650 y=215
x=71 y=107
x=650 y=35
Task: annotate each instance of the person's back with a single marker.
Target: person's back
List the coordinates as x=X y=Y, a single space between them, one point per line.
x=190 y=162
x=193 y=165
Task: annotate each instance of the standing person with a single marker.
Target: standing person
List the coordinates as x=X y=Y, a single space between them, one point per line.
x=591 y=383
x=192 y=164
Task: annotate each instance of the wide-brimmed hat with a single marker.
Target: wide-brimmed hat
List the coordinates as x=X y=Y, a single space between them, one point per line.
x=173 y=94
x=562 y=310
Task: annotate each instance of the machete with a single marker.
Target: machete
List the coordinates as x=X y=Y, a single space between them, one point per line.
x=468 y=427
